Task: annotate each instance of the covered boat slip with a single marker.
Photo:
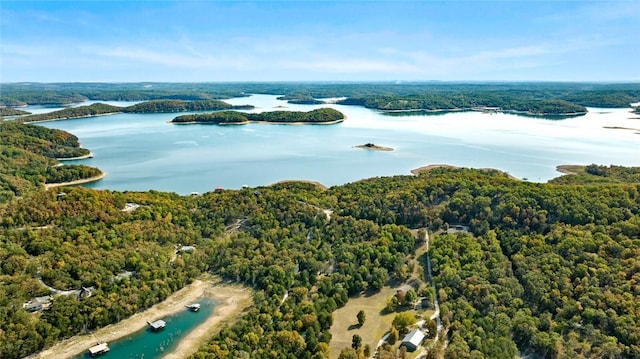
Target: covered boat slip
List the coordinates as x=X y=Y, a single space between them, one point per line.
x=98 y=349
x=157 y=325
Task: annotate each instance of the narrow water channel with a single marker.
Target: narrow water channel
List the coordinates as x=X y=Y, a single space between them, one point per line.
x=150 y=345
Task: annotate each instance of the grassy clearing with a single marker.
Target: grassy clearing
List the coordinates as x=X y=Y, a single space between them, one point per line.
x=345 y=324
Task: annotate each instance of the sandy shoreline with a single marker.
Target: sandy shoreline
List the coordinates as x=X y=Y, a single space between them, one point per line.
x=233 y=299
x=89 y=155
x=48 y=186
x=569 y=169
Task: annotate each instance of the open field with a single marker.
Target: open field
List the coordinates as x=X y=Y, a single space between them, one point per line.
x=233 y=299
x=345 y=324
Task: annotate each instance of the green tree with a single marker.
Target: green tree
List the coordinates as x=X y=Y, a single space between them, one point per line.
x=361 y=316
x=356 y=341
x=392 y=304
x=402 y=321
x=410 y=297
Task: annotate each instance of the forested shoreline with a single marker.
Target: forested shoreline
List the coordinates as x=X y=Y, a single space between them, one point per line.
x=532 y=98
x=546 y=269
x=28 y=159
x=154 y=106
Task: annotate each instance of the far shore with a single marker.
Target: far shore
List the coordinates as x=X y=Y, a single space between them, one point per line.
x=71 y=117
x=486 y=110
x=48 y=186
x=233 y=299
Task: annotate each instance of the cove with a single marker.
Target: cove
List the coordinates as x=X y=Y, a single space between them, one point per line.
x=149 y=345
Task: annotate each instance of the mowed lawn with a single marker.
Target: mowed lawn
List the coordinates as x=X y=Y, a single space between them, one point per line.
x=345 y=323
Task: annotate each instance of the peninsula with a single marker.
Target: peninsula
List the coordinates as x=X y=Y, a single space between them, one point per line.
x=154 y=106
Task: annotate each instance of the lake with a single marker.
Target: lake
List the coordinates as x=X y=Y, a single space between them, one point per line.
x=149 y=345
x=142 y=151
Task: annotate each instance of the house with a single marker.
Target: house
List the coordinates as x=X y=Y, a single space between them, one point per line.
x=37 y=304
x=403 y=289
x=456 y=228
x=412 y=340
x=86 y=292
x=187 y=249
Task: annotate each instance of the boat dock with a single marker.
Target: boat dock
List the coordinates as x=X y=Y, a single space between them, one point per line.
x=98 y=349
x=157 y=325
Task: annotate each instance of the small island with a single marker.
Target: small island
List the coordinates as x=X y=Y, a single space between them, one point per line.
x=320 y=116
x=374 y=147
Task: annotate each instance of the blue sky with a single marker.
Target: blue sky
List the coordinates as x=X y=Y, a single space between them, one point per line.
x=210 y=41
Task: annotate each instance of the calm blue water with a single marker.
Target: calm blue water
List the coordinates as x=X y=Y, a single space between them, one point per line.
x=149 y=345
x=142 y=152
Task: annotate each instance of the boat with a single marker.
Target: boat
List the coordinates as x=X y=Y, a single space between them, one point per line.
x=194 y=307
x=98 y=349
x=157 y=325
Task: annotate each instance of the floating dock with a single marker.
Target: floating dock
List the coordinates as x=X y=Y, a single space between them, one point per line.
x=98 y=349
x=157 y=325
x=194 y=307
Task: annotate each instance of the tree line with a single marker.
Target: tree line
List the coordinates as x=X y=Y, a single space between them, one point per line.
x=507 y=94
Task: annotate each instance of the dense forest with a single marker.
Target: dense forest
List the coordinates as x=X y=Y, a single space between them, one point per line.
x=28 y=159
x=546 y=269
x=321 y=115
